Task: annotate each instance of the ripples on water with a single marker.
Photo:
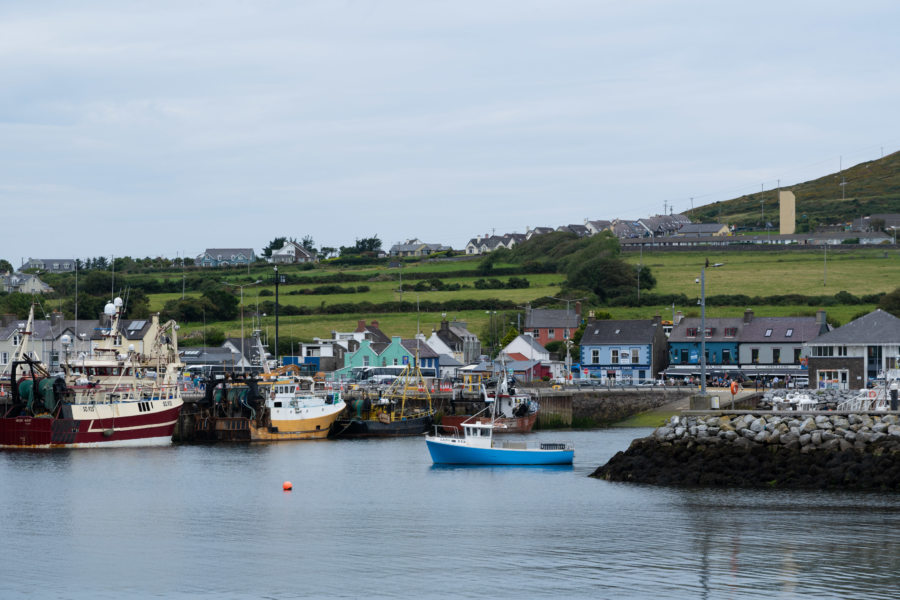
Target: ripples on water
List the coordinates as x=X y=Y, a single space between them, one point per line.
x=375 y=519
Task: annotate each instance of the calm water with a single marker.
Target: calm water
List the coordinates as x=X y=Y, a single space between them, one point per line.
x=374 y=519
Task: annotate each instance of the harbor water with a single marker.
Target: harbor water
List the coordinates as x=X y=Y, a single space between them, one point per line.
x=375 y=519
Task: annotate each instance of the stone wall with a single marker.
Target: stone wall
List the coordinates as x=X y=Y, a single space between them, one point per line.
x=600 y=407
x=857 y=451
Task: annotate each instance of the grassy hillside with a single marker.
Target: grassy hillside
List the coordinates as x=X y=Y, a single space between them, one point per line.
x=869 y=188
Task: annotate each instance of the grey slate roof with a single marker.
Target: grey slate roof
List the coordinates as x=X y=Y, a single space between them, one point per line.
x=447 y=360
x=803 y=329
x=423 y=349
x=533 y=343
x=718 y=326
x=537 y=318
x=700 y=228
x=877 y=327
x=630 y=331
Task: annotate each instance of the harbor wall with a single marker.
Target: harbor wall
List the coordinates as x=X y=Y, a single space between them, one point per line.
x=599 y=408
x=756 y=449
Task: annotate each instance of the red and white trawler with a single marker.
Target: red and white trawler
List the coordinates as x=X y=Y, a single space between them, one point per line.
x=109 y=398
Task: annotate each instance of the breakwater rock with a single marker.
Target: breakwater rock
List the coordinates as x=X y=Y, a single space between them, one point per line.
x=850 y=451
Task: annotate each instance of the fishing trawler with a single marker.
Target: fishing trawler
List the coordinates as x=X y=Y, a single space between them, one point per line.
x=292 y=410
x=405 y=408
x=278 y=405
x=516 y=412
x=111 y=397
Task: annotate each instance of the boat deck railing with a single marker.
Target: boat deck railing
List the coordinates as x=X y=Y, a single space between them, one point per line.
x=533 y=445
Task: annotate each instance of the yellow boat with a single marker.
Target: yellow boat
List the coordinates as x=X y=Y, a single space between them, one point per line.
x=295 y=410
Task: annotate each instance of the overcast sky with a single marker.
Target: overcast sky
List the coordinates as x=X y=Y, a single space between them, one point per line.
x=164 y=128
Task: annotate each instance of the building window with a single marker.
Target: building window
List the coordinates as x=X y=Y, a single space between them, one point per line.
x=726 y=356
x=615 y=356
x=797 y=353
x=4 y=358
x=551 y=333
x=365 y=361
x=692 y=332
x=789 y=333
x=768 y=333
x=536 y=333
x=595 y=356
x=635 y=356
x=395 y=362
x=684 y=357
x=17 y=339
x=730 y=332
x=841 y=351
x=833 y=380
x=776 y=356
x=754 y=355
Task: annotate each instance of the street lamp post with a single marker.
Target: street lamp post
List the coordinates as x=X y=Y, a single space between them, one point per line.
x=278 y=279
x=703 y=327
x=243 y=355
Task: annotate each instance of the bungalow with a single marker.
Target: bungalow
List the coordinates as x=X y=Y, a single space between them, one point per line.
x=416 y=247
x=226 y=257
x=704 y=229
x=50 y=265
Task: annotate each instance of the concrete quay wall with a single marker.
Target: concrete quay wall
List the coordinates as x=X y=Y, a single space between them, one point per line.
x=758 y=449
x=600 y=407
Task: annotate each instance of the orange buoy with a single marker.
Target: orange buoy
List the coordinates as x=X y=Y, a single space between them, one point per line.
x=734 y=387
x=287 y=486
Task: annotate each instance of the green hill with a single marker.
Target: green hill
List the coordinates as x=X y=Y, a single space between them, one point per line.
x=869 y=188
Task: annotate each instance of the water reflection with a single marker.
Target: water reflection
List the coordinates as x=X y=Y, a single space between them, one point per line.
x=377 y=519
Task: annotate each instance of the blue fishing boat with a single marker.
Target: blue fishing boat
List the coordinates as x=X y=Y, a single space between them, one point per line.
x=476 y=446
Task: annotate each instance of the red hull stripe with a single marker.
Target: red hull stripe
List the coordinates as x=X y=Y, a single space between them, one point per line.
x=48 y=432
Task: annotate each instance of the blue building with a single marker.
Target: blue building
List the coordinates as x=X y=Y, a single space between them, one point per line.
x=722 y=338
x=627 y=351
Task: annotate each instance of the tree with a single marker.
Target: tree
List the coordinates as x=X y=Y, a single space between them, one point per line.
x=275 y=244
x=223 y=305
x=308 y=243
x=369 y=244
x=606 y=276
x=326 y=252
x=6 y=266
x=890 y=302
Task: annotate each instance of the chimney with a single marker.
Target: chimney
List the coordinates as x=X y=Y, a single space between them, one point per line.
x=678 y=317
x=361 y=325
x=374 y=324
x=748 y=316
x=578 y=308
x=821 y=324
x=657 y=320
x=55 y=319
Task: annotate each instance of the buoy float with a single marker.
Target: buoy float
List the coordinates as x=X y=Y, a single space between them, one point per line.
x=286 y=486
x=734 y=387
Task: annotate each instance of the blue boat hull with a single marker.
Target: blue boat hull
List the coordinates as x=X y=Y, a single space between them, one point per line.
x=454 y=454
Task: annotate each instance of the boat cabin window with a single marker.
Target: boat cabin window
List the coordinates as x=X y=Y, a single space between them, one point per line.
x=278 y=405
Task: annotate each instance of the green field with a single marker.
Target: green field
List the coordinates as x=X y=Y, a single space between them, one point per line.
x=858 y=271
